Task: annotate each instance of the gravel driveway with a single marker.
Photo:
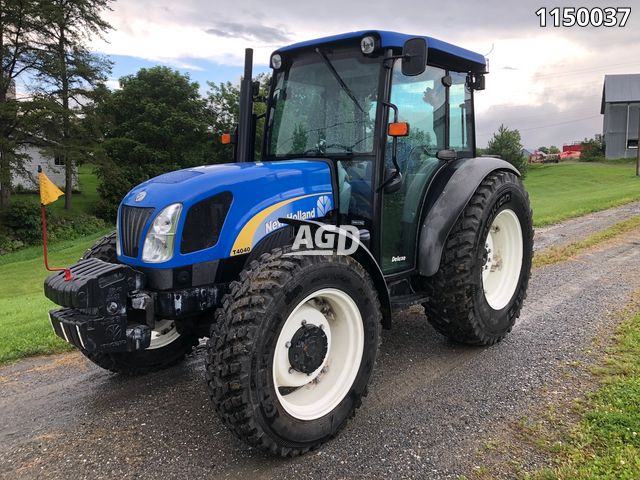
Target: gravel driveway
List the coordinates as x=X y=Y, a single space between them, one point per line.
x=576 y=229
x=431 y=403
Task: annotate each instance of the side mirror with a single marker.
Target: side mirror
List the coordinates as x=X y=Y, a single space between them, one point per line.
x=447 y=155
x=414 y=57
x=392 y=181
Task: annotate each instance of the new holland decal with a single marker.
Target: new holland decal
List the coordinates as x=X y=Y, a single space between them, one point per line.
x=304 y=207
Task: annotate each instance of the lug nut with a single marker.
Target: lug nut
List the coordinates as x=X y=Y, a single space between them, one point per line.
x=321 y=326
x=304 y=322
x=112 y=307
x=291 y=370
x=288 y=344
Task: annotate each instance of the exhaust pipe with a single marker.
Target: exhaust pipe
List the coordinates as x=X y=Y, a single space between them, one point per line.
x=245 y=140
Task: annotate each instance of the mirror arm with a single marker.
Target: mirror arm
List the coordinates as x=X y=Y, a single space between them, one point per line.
x=394 y=148
x=393 y=57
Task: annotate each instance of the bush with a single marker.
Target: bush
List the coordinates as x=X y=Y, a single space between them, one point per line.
x=592 y=151
x=22 y=226
x=24 y=222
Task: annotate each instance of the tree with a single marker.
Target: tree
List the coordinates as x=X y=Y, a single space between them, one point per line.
x=17 y=31
x=155 y=123
x=592 y=150
x=67 y=77
x=544 y=150
x=554 y=150
x=223 y=100
x=507 y=144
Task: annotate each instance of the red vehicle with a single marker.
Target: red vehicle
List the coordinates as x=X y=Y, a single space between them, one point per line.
x=570 y=152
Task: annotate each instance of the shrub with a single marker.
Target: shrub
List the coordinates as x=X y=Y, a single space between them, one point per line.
x=22 y=226
x=23 y=220
x=592 y=151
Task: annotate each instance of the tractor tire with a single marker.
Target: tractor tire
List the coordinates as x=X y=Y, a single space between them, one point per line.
x=477 y=293
x=167 y=351
x=104 y=249
x=293 y=348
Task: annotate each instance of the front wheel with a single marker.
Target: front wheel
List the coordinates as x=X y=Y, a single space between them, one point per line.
x=293 y=350
x=477 y=293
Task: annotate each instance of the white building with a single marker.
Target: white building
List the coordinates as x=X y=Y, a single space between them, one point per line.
x=52 y=167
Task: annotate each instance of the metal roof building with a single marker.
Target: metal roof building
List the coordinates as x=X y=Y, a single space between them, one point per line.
x=621 y=109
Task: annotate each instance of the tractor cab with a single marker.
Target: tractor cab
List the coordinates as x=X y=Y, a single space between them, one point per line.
x=387 y=111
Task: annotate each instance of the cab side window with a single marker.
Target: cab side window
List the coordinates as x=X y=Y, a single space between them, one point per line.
x=460 y=115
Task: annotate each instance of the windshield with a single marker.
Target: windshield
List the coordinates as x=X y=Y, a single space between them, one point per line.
x=324 y=103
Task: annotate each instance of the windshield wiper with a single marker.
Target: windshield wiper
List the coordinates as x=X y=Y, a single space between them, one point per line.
x=339 y=79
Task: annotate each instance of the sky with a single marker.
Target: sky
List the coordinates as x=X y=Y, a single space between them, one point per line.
x=546 y=82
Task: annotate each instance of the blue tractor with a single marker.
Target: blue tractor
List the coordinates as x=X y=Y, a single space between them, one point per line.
x=368 y=197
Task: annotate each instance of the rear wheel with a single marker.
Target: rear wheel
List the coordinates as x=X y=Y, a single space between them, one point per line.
x=293 y=349
x=167 y=346
x=477 y=293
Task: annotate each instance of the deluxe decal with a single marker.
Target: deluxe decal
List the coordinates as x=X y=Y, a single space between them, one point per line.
x=266 y=221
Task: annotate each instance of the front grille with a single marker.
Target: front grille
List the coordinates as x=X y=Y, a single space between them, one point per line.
x=132 y=222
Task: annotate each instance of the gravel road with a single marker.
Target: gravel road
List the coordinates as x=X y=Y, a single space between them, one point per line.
x=576 y=229
x=431 y=403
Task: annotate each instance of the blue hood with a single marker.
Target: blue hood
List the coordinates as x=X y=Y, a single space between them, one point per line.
x=262 y=193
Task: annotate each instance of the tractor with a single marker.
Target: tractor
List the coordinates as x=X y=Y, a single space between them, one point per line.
x=367 y=198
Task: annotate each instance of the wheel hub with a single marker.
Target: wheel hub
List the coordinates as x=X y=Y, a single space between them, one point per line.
x=308 y=349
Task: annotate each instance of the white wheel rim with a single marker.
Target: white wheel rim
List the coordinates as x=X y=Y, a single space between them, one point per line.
x=318 y=393
x=163 y=334
x=501 y=271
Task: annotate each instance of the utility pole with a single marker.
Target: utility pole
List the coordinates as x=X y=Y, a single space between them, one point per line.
x=638 y=148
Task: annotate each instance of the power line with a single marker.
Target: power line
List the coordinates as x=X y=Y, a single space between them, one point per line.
x=582 y=70
x=548 y=125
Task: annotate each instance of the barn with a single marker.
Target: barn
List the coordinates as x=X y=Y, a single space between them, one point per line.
x=621 y=110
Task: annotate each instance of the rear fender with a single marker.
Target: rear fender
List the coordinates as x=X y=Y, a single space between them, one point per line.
x=447 y=197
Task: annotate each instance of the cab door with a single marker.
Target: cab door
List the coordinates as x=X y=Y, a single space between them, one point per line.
x=433 y=103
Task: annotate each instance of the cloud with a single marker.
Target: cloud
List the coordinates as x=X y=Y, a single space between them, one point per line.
x=540 y=77
x=257 y=32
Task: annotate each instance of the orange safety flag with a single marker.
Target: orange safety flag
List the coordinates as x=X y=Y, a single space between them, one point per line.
x=49 y=193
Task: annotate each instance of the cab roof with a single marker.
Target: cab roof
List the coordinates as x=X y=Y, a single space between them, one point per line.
x=441 y=53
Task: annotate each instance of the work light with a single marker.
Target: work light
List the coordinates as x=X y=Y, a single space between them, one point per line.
x=276 y=61
x=158 y=246
x=368 y=45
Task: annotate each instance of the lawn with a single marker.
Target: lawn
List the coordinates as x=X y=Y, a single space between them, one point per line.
x=83 y=201
x=567 y=190
x=23 y=308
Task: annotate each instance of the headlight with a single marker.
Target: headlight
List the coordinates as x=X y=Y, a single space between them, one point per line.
x=159 y=243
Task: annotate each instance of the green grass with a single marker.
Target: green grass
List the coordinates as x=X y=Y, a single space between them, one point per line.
x=23 y=308
x=83 y=201
x=606 y=442
x=567 y=190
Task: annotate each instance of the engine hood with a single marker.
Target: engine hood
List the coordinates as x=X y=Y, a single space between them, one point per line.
x=261 y=193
